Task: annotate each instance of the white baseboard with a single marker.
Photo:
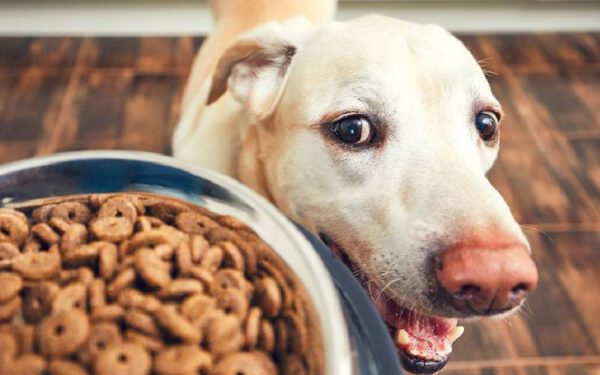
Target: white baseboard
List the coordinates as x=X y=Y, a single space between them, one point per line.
x=192 y=17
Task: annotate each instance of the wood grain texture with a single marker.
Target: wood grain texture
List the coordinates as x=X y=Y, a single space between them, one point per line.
x=59 y=94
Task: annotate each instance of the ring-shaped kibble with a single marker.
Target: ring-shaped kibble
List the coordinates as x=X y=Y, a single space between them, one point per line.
x=72 y=296
x=123 y=207
x=245 y=363
x=37 y=300
x=194 y=223
x=13 y=229
x=233 y=301
x=72 y=212
x=123 y=359
x=64 y=367
x=102 y=335
x=75 y=235
x=111 y=229
x=64 y=333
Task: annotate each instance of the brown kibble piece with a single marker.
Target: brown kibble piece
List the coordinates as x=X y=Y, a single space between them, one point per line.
x=37 y=266
x=212 y=259
x=150 y=343
x=233 y=301
x=291 y=364
x=225 y=335
x=268 y=296
x=151 y=268
x=193 y=307
x=127 y=207
x=142 y=322
x=64 y=367
x=266 y=336
x=134 y=299
x=13 y=229
x=8 y=250
x=107 y=260
x=28 y=364
x=122 y=281
x=102 y=335
x=107 y=313
x=246 y=363
x=10 y=308
x=176 y=325
x=75 y=235
x=194 y=223
x=64 y=333
x=72 y=296
x=111 y=229
x=97 y=293
x=252 y=327
x=37 y=300
x=123 y=359
x=183 y=257
x=72 y=212
x=198 y=247
x=10 y=285
x=179 y=288
x=45 y=233
x=182 y=359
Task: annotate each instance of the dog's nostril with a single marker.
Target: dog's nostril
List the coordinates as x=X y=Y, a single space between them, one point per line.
x=520 y=288
x=469 y=290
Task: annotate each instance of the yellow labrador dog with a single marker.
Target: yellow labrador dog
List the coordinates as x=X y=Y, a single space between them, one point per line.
x=375 y=134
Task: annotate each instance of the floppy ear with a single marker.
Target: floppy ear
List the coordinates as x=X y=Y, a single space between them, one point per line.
x=255 y=67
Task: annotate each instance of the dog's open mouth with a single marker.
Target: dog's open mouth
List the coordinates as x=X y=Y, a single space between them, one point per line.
x=424 y=342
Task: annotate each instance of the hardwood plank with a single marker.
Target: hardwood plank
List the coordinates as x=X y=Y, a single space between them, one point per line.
x=584 y=157
x=27 y=100
x=539 y=185
x=528 y=370
x=563 y=109
x=38 y=52
x=147 y=113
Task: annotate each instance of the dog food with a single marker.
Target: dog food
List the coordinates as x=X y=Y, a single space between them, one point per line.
x=138 y=284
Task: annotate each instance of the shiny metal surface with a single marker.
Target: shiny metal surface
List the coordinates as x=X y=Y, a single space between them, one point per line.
x=111 y=171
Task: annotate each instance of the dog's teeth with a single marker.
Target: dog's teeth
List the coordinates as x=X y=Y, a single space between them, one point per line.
x=402 y=337
x=455 y=333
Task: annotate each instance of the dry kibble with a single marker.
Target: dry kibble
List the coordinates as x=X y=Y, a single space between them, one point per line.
x=134 y=284
x=183 y=359
x=251 y=363
x=64 y=333
x=123 y=359
x=10 y=285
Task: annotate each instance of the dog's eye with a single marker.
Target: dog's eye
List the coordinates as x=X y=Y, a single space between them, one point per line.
x=353 y=130
x=486 y=123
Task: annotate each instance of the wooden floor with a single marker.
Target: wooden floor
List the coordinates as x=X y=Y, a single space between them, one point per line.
x=71 y=94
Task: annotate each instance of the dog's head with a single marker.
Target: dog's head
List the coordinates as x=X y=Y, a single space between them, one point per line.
x=377 y=135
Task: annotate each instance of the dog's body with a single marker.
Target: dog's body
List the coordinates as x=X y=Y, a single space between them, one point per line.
x=375 y=134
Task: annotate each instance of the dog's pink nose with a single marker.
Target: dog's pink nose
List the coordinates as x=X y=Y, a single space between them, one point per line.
x=486 y=279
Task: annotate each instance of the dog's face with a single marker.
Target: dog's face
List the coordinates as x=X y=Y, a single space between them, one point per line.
x=377 y=134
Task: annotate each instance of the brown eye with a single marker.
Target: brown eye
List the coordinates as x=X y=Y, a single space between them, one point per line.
x=353 y=130
x=486 y=123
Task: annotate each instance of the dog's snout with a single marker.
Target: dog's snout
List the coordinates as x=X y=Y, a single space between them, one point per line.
x=486 y=279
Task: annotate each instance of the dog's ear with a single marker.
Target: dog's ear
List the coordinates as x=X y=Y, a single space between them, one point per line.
x=255 y=67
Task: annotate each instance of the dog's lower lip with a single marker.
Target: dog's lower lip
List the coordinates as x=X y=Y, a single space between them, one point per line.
x=424 y=342
x=420 y=366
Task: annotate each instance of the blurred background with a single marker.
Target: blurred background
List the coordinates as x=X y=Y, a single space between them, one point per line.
x=97 y=74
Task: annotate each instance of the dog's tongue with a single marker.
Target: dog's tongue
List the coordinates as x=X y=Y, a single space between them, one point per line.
x=419 y=337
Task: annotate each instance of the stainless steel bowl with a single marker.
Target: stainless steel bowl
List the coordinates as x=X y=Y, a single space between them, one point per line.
x=356 y=339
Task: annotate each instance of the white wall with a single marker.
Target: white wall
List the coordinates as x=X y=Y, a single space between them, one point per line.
x=193 y=17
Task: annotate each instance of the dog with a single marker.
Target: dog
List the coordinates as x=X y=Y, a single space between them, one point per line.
x=375 y=134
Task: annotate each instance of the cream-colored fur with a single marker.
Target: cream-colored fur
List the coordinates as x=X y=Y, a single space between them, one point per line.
x=275 y=80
